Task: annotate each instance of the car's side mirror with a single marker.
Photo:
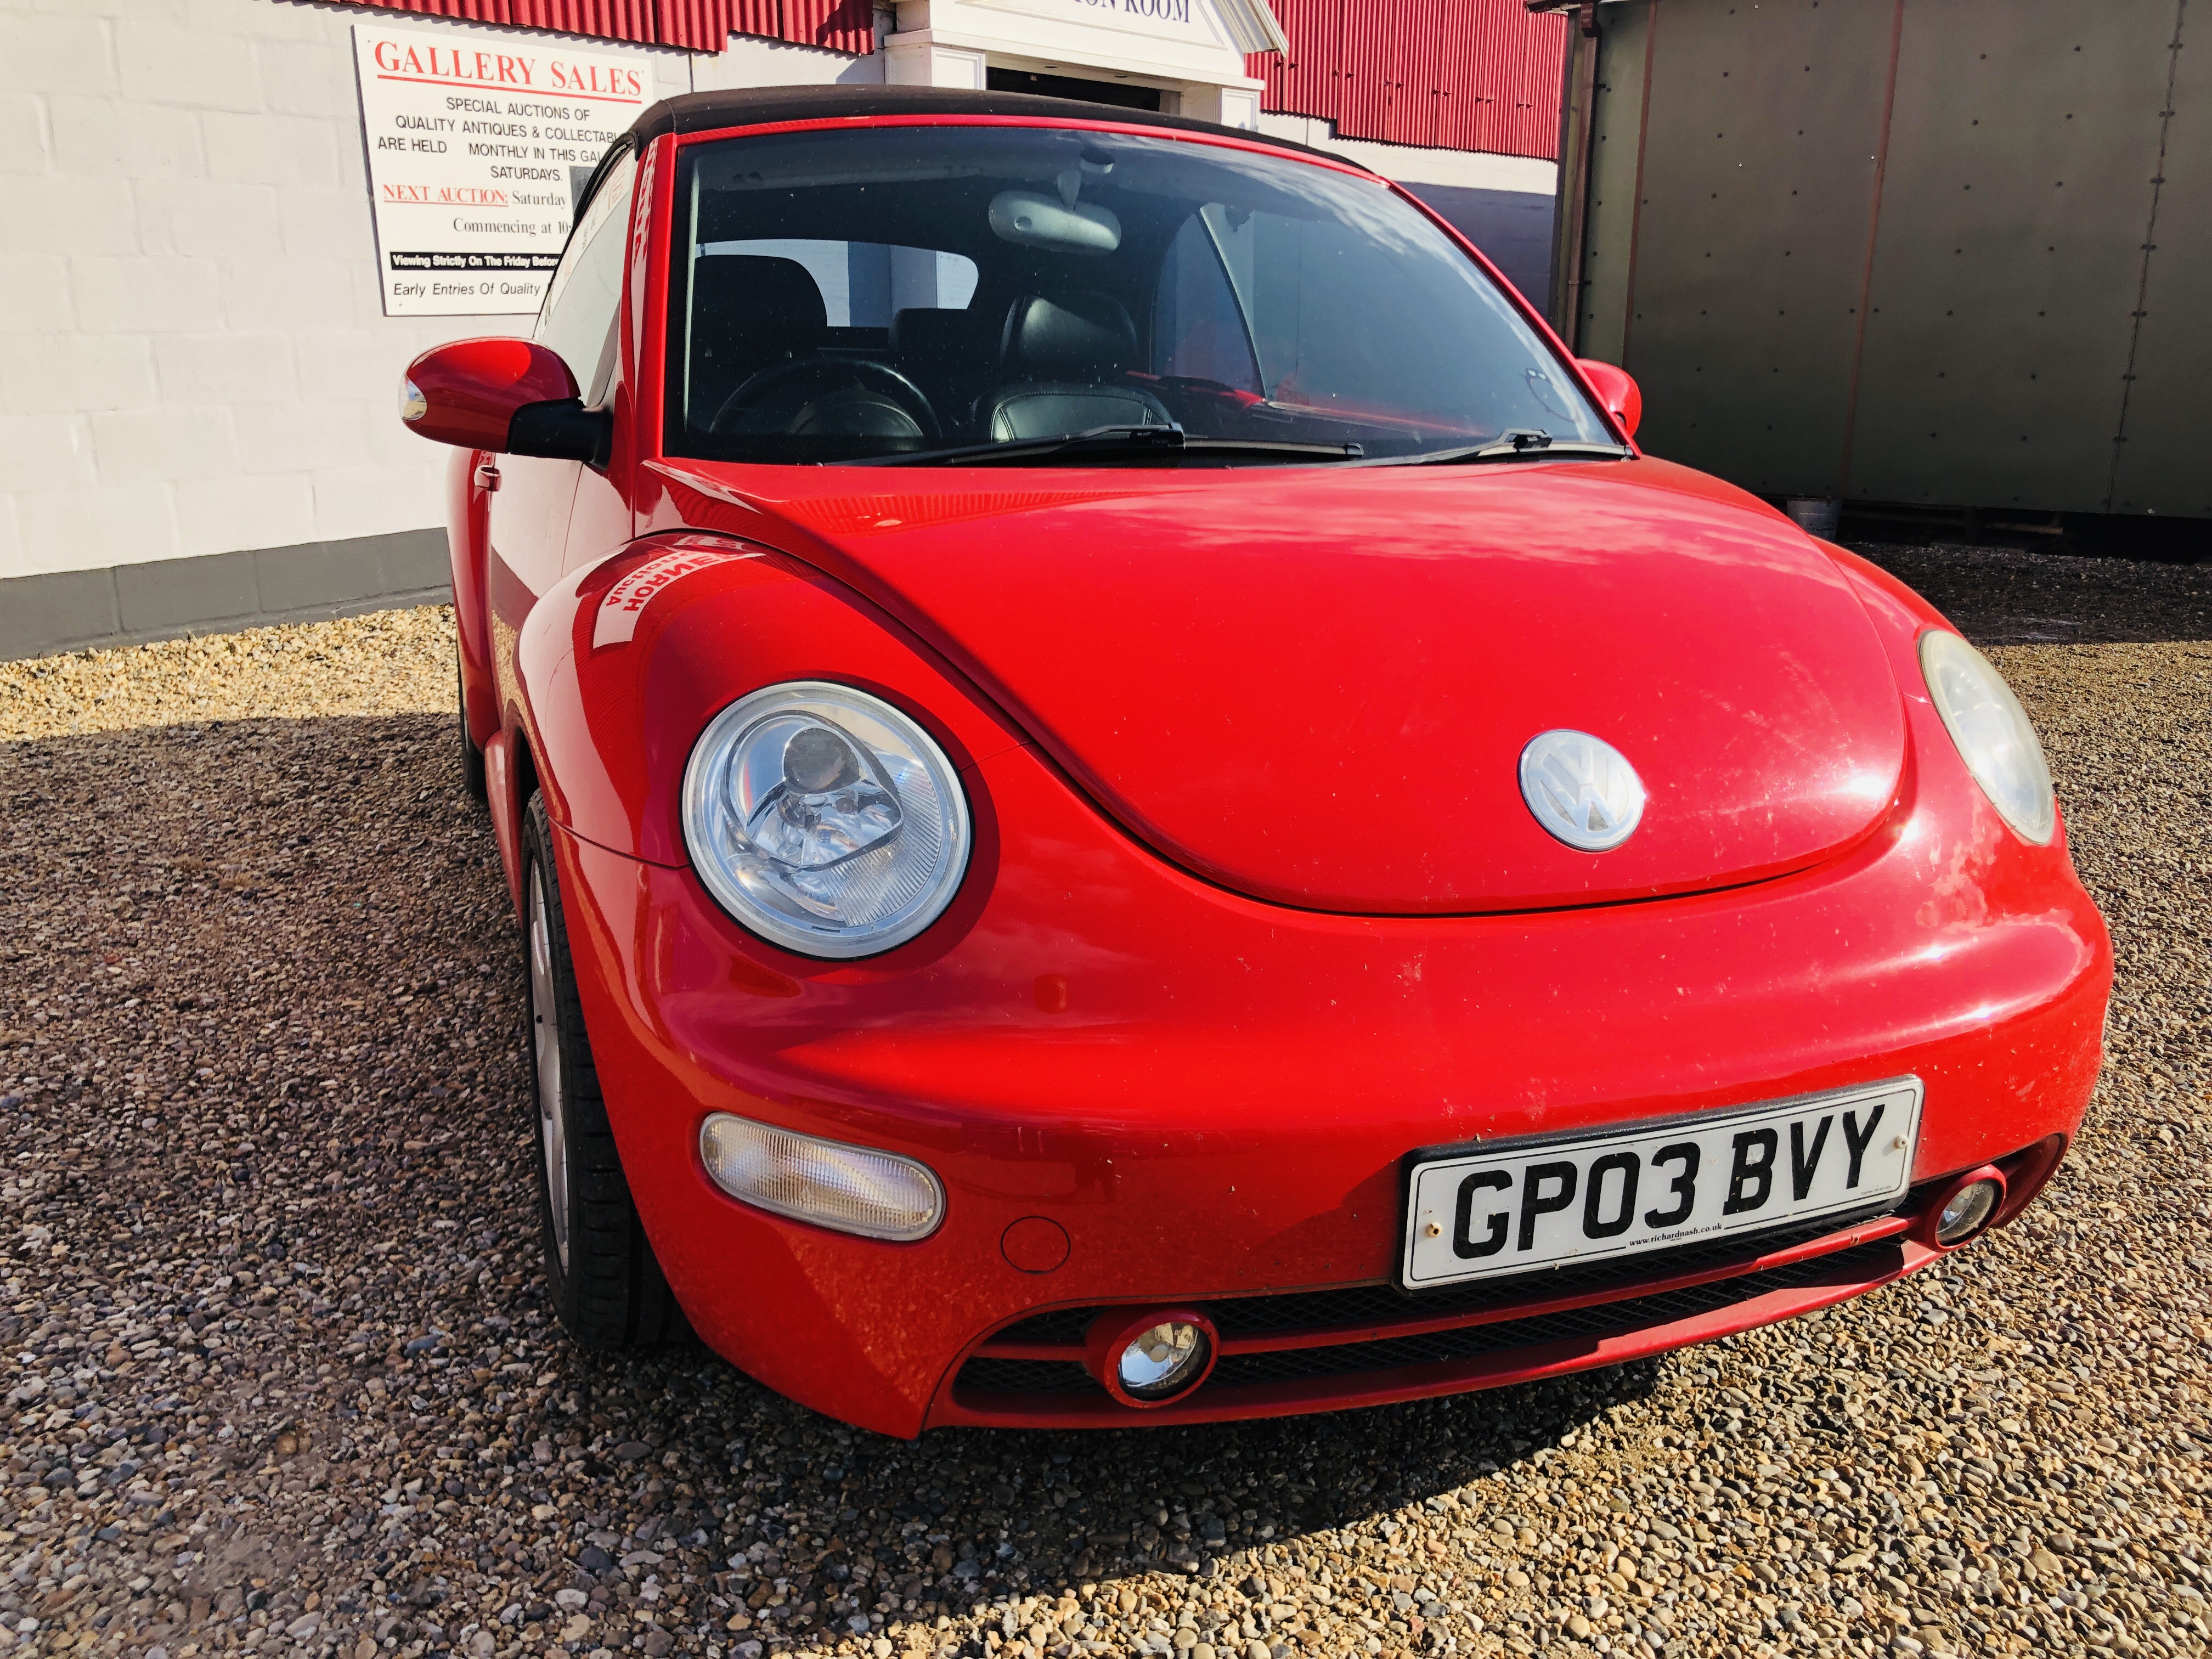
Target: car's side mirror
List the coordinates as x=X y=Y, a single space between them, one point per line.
x=513 y=396
x=1616 y=391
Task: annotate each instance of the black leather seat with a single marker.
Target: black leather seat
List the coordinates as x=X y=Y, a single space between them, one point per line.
x=952 y=355
x=1070 y=347
x=748 y=313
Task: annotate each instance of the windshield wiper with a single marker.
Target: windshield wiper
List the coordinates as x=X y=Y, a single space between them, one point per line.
x=1121 y=441
x=1521 y=444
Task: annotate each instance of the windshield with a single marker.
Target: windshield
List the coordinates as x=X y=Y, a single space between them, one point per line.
x=864 y=294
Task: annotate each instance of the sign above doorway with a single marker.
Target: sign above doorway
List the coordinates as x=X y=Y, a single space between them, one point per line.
x=1183 y=56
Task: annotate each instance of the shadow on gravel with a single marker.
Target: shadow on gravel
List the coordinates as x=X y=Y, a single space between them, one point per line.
x=2007 y=596
x=1096 y=1506
x=835 y=1523
x=268 y=1117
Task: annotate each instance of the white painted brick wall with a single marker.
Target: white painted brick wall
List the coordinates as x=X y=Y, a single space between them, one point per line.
x=193 y=354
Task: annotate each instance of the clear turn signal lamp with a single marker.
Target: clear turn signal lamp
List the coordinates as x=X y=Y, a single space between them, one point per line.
x=851 y=1189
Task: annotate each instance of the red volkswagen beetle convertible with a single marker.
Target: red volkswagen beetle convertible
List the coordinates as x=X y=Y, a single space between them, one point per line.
x=1130 y=803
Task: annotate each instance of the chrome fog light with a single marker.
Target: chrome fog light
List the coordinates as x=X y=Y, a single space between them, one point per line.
x=1163 y=1360
x=1148 y=1357
x=852 y=1189
x=1968 y=1210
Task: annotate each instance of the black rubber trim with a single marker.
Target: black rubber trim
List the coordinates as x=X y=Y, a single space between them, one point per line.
x=563 y=429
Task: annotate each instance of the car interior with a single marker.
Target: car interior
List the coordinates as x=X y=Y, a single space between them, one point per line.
x=840 y=299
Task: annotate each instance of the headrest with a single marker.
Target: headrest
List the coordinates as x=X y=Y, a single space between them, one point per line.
x=737 y=294
x=935 y=331
x=1069 y=334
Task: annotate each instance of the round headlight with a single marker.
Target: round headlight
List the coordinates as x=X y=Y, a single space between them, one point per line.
x=824 y=820
x=1992 y=732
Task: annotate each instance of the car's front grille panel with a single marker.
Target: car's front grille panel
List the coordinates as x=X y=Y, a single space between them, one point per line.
x=986 y=1375
x=1028 y=1376
x=1572 y=1324
x=1292 y=1311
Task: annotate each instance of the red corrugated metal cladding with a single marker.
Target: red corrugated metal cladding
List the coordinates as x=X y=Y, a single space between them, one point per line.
x=1461 y=74
x=840 y=25
x=1305 y=82
x=707 y=25
x=847 y=25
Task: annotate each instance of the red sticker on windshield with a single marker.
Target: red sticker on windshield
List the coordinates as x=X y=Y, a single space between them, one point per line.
x=625 y=602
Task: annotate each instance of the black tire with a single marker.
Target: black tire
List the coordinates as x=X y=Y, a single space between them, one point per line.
x=472 y=760
x=606 y=1284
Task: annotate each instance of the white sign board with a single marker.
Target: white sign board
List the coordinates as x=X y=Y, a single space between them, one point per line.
x=477 y=149
x=1178 y=19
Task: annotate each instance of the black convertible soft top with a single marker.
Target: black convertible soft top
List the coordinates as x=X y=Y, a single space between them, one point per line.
x=703 y=111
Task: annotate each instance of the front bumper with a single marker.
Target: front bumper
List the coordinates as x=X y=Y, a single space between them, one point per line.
x=1368 y=1345
x=1211 y=1097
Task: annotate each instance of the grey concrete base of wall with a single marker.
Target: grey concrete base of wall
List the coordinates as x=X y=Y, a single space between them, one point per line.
x=174 y=598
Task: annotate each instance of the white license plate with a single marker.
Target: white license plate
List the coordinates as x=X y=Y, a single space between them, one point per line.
x=1482 y=1213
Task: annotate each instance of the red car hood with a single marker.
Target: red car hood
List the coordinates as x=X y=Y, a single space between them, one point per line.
x=1314 y=686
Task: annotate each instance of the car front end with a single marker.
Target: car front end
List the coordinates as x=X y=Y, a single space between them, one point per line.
x=1146 y=1100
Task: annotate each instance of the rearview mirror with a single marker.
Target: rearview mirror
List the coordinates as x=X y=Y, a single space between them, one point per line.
x=513 y=396
x=1616 y=391
x=1025 y=217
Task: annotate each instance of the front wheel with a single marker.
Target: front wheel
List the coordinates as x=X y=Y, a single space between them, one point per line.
x=606 y=1284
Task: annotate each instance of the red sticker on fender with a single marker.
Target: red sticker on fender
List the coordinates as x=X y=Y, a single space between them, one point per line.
x=625 y=602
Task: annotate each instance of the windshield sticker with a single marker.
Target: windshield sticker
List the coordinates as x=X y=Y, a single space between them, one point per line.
x=625 y=602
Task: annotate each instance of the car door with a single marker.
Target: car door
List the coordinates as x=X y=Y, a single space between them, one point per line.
x=532 y=498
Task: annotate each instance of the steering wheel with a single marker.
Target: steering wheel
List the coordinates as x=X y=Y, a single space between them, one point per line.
x=845 y=395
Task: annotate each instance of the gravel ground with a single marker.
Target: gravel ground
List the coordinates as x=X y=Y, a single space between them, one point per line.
x=278 y=1373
